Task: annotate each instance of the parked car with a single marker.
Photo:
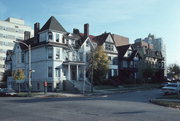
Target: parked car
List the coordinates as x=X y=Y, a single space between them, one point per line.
x=165 y=84
x=171 y=88
x=7 y=92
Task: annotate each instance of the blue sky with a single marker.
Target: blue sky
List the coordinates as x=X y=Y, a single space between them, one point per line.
x=130 y=18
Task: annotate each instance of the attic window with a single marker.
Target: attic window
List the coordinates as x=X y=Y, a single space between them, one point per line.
x=50 y=35
x=109 y=47
x=87 y=44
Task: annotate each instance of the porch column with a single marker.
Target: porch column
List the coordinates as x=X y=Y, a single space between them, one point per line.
x=77 y=72
x=69 y=72
x=61 y=79
x=84 y=69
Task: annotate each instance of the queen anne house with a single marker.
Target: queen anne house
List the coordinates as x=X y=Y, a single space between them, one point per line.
x=106 y=40
x=58 y=57
x=129 y=64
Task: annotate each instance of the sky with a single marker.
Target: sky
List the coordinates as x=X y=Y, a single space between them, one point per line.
x=130 y=18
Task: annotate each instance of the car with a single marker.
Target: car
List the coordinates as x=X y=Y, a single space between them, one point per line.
x=171 y=88
x=7 y=92
x=165 y=84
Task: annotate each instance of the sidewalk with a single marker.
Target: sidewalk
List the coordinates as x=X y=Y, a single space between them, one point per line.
x=96 y=92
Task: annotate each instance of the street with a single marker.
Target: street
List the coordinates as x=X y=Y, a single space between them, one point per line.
x=131 y=106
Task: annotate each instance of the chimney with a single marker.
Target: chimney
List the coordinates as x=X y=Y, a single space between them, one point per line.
x=86 y=30
x=75 y=31
x=36 y=30
x=27 y=35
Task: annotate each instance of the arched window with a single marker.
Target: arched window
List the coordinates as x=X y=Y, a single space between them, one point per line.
x=50 y=35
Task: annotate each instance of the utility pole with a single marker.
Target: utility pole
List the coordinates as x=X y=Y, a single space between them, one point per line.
x=92 y=72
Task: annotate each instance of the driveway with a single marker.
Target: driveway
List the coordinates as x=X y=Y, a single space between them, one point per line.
x=132 y=106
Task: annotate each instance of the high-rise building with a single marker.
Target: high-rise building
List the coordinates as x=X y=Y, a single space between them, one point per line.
x=11 y=29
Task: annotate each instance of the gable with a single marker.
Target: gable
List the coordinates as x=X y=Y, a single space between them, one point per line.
x=109 y=39
x=128 y=52
x=17 y=47
x=87 y=44
x=109 y=45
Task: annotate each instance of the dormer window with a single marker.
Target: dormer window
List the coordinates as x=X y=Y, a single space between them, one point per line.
x=50 y=35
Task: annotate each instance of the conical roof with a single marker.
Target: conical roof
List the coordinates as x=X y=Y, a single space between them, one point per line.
x=53 y=24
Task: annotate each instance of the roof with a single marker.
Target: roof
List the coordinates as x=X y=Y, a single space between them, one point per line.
x=154 y=54
x=90 y=36
x=101 y=38
x=31 y=42
x=53 y=24
x=120 y=40
x=122 y=50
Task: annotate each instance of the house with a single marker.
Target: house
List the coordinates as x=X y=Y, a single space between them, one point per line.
x=106 y=40
x=57 y=57
x=151 y=58
x=129 y=60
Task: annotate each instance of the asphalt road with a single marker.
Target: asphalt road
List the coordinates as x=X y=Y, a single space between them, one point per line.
x=132 y=106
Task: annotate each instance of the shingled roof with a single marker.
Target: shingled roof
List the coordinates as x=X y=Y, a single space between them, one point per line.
x=122 y=50
x=101 y=38
x=53 y=24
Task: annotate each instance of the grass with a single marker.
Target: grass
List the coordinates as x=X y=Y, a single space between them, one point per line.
x=148 y=86
x=170 y=97
x=103 y=87
x=168 y=101
x=25 y=94
x=128 y=87
x=172 y=104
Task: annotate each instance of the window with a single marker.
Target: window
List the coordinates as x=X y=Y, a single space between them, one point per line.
x=38 y=86
x=67 y=41
x=81 y=56
x=50 y=53
x=87 y=44
x=57 y=37
x=49 y=71
x=124 y=64
x=22 y=58
x=57 y=72
x=50 y=35
x=63 y=40
x=109 y=47
x=115 y=72
x=87 y=57
x=109 y=73
x=18 y=58
x=57 y=53
x=115 y=61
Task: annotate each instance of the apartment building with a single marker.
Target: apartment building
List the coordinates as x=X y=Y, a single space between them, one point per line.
x=11 y=29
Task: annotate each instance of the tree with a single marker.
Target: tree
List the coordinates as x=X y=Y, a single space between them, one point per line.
x=98 y=65
x=148 y=73
x=18 y=75
x=174 y=71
